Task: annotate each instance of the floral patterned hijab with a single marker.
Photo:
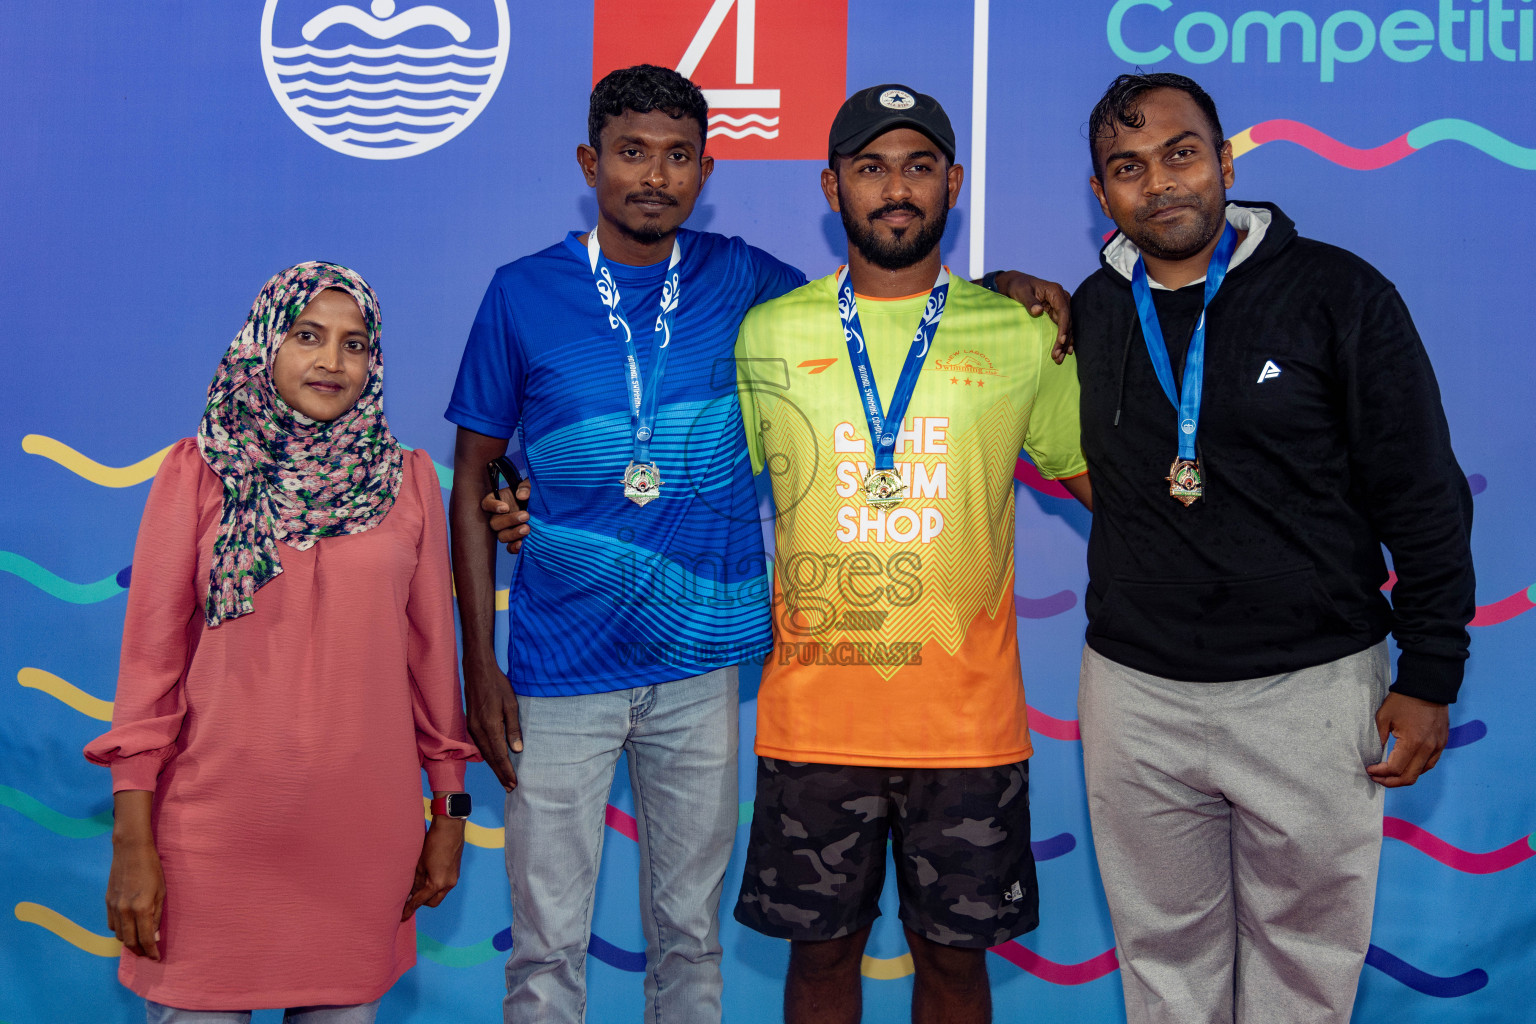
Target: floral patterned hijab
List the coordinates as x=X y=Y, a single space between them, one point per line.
x=286 y=476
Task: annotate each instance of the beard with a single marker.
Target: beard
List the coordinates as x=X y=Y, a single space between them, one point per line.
x=907 y=245
x=650 y=231
x=646 y=235
x=1179 y=241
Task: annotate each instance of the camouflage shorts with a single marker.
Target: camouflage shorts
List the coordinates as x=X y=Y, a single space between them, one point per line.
x=816 y=858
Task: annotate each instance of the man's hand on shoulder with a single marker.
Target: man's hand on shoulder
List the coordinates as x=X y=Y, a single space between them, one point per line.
x=1041 y=296
x=1420 y=728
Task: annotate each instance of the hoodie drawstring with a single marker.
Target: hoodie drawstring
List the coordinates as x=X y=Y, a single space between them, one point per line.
x=1125 y=359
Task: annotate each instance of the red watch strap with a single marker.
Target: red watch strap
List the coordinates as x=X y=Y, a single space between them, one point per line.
x=439 y=805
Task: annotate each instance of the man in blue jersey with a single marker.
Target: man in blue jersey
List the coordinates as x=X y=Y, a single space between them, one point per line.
x=644 y=584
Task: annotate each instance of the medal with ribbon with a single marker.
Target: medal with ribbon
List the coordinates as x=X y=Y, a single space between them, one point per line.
x=883 y=485
x=642 y=479
x=1185 y=481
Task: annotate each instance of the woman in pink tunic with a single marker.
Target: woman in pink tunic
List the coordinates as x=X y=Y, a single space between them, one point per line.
x=288 y=668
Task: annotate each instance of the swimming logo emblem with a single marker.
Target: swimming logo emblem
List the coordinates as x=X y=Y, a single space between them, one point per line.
x=387 y=82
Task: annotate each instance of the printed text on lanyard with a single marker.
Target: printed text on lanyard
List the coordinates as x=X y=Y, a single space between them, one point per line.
x=642 y=478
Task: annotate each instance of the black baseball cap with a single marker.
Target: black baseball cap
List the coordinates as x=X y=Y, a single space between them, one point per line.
x=878 y=109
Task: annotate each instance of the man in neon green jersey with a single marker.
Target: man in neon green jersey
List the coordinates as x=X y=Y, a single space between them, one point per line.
x=894 y=702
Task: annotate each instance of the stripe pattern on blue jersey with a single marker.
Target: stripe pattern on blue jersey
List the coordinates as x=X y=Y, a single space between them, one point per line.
x=609 y=595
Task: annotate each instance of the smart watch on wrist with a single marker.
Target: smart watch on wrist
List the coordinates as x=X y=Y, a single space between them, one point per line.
x=451 y=805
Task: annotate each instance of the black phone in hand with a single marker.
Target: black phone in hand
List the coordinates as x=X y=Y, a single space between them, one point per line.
x=504 y=475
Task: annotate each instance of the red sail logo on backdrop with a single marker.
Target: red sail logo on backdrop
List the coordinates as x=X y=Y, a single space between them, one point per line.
x=774 y=73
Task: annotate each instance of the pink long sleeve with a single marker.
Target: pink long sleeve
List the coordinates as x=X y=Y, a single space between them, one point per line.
x=432 y=651
x=160 y=626
x=285 y=748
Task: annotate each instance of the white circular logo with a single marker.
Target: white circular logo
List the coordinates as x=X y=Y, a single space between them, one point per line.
x=1188 y=426
x=387 y=82
x=897 y=99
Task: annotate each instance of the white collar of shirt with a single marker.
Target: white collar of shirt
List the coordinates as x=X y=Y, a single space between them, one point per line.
x=1122 y=252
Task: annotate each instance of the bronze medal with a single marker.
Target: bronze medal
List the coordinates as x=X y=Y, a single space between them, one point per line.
x=1185 y=482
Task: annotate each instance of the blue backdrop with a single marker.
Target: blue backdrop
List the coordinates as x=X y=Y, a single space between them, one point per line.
x=164 y=159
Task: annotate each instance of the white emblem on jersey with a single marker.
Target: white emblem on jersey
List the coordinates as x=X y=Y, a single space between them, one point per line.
x=1270 y=370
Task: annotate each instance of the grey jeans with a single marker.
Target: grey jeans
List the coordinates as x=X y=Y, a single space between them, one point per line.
x=681 y=739
x=1238 y=836
x=359 y=1013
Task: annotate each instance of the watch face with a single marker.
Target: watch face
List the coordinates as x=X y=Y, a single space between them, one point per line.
x=458 y=805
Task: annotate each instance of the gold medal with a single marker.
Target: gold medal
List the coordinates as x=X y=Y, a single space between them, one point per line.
x=883 y=487
x=1184 y=481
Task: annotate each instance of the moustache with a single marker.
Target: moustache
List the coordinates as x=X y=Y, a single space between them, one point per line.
x=896 y=208
x=651 y=197
x=1163 y=202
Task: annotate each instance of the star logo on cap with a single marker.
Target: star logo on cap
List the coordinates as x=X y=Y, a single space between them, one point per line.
x=897 y=99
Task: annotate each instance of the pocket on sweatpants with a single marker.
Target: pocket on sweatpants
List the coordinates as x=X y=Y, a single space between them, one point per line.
x=1229 y=627
x=1375 y=680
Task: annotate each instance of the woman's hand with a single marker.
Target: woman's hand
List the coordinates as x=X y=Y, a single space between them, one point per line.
x=136 y=883
x=438 y=869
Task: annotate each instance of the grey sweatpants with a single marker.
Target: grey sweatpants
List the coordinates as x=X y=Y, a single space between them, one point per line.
x=1238 y=837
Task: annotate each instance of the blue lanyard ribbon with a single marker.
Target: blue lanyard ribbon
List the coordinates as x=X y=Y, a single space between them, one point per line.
x=1187 y=399
x=885 y=425
x=644 y=394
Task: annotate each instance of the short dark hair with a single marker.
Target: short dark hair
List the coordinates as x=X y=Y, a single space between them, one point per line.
x=1120 y=105
x=642 y=89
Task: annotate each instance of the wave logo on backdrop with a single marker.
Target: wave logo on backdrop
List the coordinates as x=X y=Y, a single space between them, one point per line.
x=772 y=84
x=387 y=81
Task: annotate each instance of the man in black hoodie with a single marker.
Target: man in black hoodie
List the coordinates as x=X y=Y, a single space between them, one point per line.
x=1259 y=418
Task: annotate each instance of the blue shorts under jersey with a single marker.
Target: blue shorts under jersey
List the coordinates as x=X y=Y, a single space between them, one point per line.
x=607 y=594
